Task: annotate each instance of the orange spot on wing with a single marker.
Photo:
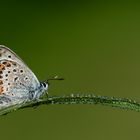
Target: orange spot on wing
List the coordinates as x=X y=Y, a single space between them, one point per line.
x=1 y=90
x=2 y=67
x=1 y=82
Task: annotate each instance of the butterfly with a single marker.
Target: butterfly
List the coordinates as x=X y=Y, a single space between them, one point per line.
x=18 y=84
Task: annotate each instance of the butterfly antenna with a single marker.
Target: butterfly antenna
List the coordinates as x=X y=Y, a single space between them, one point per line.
x=54 y=78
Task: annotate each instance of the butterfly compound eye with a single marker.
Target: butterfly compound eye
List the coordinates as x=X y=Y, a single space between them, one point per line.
x=44 y=84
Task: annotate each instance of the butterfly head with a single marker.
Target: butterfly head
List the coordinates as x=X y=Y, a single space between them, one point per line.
x=39 y=91
x=44 y=87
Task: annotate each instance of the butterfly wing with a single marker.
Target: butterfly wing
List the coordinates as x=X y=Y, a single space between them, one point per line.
x=7 y=54
x=16 y=79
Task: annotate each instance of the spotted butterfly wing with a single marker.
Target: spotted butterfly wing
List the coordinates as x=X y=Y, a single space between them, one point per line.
x=16 y=79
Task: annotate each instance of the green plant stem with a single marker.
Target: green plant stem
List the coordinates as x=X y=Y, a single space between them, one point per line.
x=121 y=103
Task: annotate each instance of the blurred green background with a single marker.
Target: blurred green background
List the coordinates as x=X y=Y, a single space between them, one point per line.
x=95 y=46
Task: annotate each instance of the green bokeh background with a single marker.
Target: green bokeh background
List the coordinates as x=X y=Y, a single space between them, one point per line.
x=95 y=46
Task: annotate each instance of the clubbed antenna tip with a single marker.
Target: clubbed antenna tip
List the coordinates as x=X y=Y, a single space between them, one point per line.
x=54 y=78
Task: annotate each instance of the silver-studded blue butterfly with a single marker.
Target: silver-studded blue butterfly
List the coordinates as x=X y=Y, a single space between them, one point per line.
x=18 y=84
